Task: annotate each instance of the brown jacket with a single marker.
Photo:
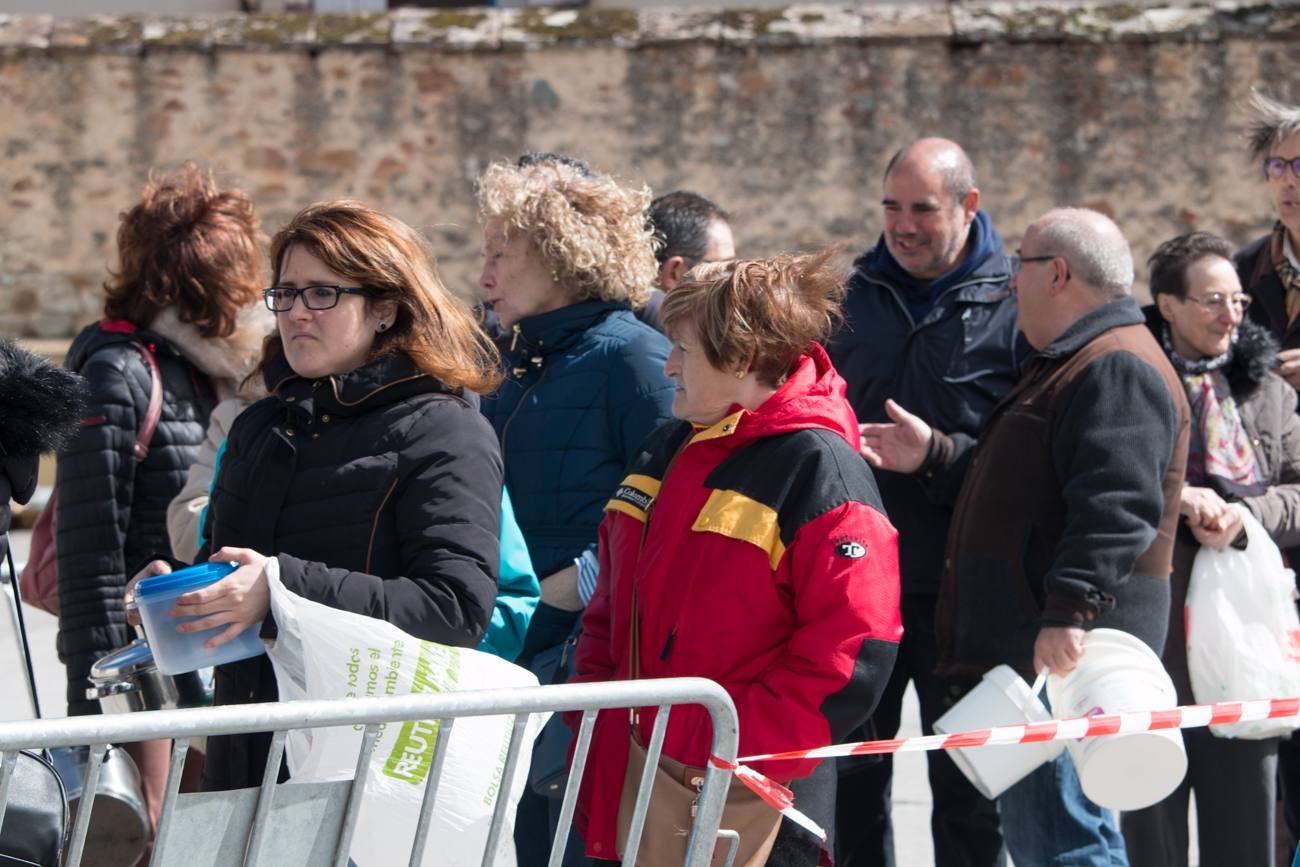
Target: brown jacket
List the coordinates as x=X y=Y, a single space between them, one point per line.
x=1068 y=509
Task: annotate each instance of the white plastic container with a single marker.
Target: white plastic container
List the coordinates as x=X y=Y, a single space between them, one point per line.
x=1002 y=698
x=1118 y=674
x=179 y=652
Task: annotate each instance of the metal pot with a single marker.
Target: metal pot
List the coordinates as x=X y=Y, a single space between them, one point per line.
x=128 y=680
x=119 y=821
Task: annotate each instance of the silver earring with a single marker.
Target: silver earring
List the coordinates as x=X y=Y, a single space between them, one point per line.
x=383 y=326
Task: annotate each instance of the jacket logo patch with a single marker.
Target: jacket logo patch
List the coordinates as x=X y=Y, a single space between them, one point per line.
x=850 y=548
x=638 y=498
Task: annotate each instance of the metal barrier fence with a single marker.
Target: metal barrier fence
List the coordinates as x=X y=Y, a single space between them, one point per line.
x=317 y=819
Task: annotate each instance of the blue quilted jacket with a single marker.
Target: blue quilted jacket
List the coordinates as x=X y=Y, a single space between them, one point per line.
x=584 y=386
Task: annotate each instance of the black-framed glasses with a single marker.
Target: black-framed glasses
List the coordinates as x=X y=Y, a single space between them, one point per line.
x=1018 y=260
x=1275 y=167
x=318 y=296
x=1216 y=302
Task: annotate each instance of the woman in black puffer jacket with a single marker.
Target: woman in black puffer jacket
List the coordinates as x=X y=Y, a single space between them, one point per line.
x=184 y=294
x=186 y=290
x=368 y=474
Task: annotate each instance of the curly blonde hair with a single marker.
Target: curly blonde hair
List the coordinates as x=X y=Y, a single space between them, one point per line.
x=593 y=234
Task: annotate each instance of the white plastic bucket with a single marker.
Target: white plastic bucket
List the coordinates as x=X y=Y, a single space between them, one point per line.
x=1002 y=698
x=1118 y=673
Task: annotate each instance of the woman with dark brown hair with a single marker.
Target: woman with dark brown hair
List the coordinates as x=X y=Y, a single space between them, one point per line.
x=368 y=474
x=183 y=299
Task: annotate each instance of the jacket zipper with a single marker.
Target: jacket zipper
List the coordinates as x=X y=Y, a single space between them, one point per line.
x=903 y=307
x=505 y=429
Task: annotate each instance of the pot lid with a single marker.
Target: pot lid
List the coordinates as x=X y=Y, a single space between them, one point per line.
x=125 y=662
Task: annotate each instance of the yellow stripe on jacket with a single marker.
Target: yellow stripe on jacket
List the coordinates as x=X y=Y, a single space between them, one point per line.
x=736 y=516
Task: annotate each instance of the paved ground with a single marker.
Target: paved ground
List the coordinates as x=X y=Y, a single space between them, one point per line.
x=911 y=791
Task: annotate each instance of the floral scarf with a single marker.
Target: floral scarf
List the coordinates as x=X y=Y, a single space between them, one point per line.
x=1218 y=446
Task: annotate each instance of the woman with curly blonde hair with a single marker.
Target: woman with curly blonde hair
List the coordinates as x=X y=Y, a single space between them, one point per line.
x=567 y=254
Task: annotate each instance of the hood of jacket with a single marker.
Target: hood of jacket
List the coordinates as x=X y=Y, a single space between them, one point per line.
x=813 y=396
x=987 y=259
x=227 y=360
x=1253 y=355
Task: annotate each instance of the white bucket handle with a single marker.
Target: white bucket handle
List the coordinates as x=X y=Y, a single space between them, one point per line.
x=1039 y=683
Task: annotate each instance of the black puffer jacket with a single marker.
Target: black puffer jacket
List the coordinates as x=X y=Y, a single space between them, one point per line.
x=112 y=512
x=40 y=406
x=380 y=493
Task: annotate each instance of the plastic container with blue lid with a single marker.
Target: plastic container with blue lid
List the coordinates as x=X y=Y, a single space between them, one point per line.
x=178 y=652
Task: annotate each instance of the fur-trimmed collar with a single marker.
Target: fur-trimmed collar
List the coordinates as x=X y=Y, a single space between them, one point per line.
x=40 y=404
x=228 y=360
x=1254 y=355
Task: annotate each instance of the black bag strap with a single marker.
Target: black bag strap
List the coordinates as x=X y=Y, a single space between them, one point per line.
x=22 y=633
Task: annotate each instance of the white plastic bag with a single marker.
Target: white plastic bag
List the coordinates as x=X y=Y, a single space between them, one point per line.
x=1243 y=634
x=325 y=653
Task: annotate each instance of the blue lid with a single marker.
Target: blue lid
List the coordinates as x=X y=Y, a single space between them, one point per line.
x=184 y=580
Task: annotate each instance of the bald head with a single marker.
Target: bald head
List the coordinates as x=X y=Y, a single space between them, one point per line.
x=1098 y=254
x=938 y=156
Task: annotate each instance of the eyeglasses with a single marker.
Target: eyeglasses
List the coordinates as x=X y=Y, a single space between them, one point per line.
x=1275 y=167
x=279 y=299
x=1018 y=260
x=1216 y=302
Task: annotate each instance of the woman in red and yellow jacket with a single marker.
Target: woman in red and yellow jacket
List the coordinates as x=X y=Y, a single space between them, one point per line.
x=753 y=537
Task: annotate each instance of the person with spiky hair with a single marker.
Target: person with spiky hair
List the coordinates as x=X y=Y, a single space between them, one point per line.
x=1269 y=269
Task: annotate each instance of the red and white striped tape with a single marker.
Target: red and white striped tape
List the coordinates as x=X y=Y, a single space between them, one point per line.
x=1102 y=725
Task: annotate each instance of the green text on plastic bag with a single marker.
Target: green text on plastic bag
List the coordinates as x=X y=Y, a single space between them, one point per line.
x=436 y=670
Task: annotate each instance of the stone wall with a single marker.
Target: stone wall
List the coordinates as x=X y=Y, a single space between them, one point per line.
x=785 y=116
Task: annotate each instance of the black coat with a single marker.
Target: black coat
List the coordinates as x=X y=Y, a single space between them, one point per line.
x=379 y=492
x=951 y=369
x=1255 y=268
x=111 y=517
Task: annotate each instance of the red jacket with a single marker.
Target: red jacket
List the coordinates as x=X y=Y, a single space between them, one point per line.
x=768 y=566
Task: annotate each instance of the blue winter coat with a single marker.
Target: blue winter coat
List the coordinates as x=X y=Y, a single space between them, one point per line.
x=950 y=368
x=584 y=386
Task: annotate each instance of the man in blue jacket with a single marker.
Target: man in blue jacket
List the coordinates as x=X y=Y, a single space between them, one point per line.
x=929 y=322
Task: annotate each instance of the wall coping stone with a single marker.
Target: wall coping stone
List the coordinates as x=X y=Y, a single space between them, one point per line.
x=488 y=29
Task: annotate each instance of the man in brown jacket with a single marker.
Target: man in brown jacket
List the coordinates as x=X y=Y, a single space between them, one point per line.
x=1066 y=513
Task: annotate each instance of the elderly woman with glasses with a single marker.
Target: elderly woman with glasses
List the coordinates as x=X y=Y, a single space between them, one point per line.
x=1244 y=448
x=368 y=474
